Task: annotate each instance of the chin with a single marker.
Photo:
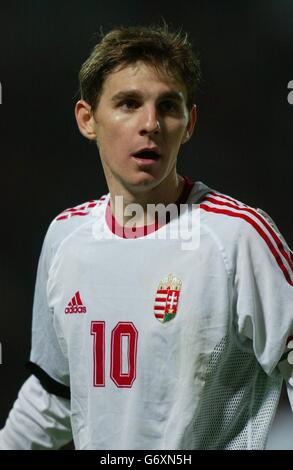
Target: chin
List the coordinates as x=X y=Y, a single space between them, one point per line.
x=143 y=181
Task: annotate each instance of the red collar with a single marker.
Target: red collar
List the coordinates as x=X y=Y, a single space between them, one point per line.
x=137 y=232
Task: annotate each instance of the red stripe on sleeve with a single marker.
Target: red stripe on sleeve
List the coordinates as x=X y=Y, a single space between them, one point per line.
x=259 y=230
x=213 y=193
x=263 y=221
x=79 y=213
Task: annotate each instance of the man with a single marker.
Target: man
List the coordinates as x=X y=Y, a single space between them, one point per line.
x=171 y=329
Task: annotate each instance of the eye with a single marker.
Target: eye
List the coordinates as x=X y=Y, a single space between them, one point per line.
x=169 y=106
x=129 y=104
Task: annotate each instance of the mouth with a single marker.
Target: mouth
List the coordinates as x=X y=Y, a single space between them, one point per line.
x=146 y=155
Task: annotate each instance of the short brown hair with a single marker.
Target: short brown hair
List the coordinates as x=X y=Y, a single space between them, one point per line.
x=154 y=44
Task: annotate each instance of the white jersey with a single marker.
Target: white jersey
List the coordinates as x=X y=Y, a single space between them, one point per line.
x=164 y=347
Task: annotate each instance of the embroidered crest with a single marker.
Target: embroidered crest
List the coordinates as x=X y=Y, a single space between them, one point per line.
x=167 y=298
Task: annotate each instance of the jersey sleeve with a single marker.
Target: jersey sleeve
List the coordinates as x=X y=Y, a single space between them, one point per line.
x=263 y=295
x=47 y=360
x=37 y=421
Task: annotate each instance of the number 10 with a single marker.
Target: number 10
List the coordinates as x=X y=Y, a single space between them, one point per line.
x=120 y=378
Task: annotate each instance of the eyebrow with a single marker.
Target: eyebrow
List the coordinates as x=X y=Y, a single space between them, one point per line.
x=126 y=94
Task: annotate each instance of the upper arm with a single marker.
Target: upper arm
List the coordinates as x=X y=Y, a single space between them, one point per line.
x=45 y=350
x=263 y=289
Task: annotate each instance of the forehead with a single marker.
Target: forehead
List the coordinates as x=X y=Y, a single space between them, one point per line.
x=143 y=77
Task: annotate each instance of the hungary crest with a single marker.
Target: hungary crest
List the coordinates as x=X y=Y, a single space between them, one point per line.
x=167 y=297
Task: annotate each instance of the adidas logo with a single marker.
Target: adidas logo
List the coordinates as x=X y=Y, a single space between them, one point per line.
x=75 y=305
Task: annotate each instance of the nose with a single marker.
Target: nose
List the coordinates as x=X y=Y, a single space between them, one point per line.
x=149 y=123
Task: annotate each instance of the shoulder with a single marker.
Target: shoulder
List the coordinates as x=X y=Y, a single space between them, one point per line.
x=80 y=211
x=233 y=218
x=70 y=220
x=239 y=227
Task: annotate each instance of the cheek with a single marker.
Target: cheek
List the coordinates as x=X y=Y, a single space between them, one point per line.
x=115 y=130
x=177 y=133
x=114 y=139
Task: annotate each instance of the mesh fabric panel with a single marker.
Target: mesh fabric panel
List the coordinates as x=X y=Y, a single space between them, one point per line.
x=238 y=403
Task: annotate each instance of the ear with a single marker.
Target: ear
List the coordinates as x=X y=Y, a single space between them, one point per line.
x=85 y=119
x=191 y=124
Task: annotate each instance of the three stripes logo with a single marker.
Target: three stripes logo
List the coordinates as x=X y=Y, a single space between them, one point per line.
x=75 y=305
x=218 y=203
x=81 y=210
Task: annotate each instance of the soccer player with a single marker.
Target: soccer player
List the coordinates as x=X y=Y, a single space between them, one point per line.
x=169 y=329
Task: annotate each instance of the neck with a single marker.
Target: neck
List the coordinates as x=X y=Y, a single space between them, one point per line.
x=166 y=192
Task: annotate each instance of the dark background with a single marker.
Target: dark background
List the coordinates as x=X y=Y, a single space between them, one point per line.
x=242 y=146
